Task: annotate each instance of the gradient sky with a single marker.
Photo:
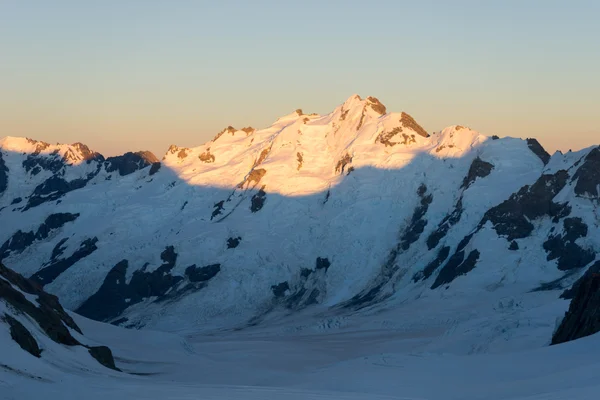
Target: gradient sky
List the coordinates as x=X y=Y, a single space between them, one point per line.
x=124 y=75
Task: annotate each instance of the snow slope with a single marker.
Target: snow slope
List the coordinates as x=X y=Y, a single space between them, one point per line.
x=358 y=208
x=350 y=364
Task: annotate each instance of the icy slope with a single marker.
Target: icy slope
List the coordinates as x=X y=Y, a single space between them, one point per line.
x=336 y=212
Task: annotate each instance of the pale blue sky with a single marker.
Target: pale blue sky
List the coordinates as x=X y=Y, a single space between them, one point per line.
x=126 y=75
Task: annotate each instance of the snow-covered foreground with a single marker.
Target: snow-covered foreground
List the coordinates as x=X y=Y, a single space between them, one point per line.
x=359 y=360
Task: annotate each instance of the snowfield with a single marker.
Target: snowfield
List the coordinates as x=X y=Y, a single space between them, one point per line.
x=365 y=363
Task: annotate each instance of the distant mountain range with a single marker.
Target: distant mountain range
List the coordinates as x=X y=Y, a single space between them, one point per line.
x=340 y=213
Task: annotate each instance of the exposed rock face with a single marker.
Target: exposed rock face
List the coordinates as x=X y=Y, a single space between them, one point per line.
x=583 y=317
x=48 y=314
x=444 y=226
x=104 y=356
x=512 y=217
x=538 y=150
x=322 y=263
x=305 y=289
x=52 y=271
x=155 y=168
x=207 y=157
x=116 y=295
x=230 y=129
x=563 y=247
x=258 y=200
x=376 y=105
x=341 y=164
x=202 y=274
x=478 y=169
x=54 y=188
x=3 y=175
x=457 y=265
x=218 y=209
x=442 y=255
x=35 y=163
x=418 y=221
x=130 y=162
x=22 y=336
x=232 y=243
x=588 y=176
x=281 y=289
x=409 y=122
x=589 y=273
x=253 y=177
x=21 y=240
x=84 y=153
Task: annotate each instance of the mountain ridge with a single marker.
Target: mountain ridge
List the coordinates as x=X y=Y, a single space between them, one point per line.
x=335 y=213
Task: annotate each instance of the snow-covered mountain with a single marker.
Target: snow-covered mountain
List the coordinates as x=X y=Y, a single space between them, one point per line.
x=348 y=212
x=34 y=322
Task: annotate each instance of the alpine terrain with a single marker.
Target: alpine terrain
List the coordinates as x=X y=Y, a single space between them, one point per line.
x=347 y=255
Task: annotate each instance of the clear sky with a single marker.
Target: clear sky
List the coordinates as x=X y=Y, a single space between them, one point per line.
x=124 y=75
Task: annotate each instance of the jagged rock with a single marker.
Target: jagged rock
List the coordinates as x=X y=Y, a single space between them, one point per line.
x=229 y=129
x=409 y=122
x=202 y=274
x=58 y=250
x=182 y=153
x=35 y=163
x=49 y=273
x=218 y=209
x=512 y=217
x=583 y=317
x=456 y=266
x=448 y=222
x=322 y=263
x=54 y=188
x=433 y=265
x=130 y=162
x=84 y=153
x=538 y=150
x=258 y=200
x=253 y=177
x=207 y=157
x=16 y=200
x=3 y=175
x=593 y=270
x=104 y=356
x=280 y=289
x=418 y=220
x=341 y=164
x=155 y=168
x=22 y=336
x=478 y=169
x=21 y=240
x=376 y=105
x=48 y=314
x=587 y=176
x=116 y=295
x=514 y=246
x=232 y=243
x=564 y=249
x=300 y=159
